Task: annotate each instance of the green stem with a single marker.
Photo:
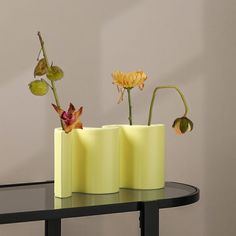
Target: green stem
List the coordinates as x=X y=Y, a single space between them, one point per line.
x=130 y=107
x=43 y=49
x=153 y=99
x=53 y=87
x=55 y=93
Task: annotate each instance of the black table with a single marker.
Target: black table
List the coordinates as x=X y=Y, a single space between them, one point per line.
x=36 y=201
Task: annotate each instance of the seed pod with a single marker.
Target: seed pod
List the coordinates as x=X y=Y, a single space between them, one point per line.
x=38 y=87
x=55 y=73
x=41 y=68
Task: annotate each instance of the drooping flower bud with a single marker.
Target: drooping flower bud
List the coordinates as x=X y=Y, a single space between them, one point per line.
x=55 y=73
x=38 y=87
x=41 y=68
x=182 y=125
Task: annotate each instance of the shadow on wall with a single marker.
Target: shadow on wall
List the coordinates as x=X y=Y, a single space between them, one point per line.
x=220 y=59
x=31 y=169
x=72 y=38
x=78 y=23
x=82 y=62
x=217 y=64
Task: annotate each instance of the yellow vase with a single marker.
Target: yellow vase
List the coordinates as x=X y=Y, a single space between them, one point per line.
x=95 y=160
x=62 y=163
x=142 y=156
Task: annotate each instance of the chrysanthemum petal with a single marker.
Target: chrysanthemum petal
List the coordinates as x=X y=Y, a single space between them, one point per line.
x=128 y=81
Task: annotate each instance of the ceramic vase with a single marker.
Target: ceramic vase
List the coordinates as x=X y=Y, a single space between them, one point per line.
x=86 y=161
x=95 y=160
x=62 y=163
x=142 y=156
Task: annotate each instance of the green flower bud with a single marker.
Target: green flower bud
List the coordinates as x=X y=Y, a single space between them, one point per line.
x=55 y=73
x=38 y=87
x=182 y=125
x=41 y=68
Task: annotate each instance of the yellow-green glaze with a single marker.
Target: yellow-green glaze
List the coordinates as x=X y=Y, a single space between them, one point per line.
x=142 y=156
x=95 y=160
x=62 y=163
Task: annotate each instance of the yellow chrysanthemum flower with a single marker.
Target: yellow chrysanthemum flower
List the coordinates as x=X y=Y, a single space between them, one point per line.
x=128 y=81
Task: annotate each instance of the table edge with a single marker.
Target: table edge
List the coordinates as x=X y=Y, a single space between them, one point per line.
x=94 y=210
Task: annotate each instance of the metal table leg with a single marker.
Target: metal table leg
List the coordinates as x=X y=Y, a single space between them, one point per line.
x=53 y=227
x=149 y=219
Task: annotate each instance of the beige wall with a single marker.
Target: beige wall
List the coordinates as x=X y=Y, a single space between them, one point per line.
x=182 y=42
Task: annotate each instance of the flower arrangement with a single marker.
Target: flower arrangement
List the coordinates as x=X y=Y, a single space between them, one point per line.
x=130 y=80
x=69 y=119
x=100 y=150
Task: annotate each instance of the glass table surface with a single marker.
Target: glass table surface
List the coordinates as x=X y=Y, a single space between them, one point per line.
x=40 y=197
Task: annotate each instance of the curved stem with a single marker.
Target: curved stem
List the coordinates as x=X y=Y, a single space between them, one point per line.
x=130 y=107
x=53 y=87
x=43 y=49
x=39 y=54
x=154 y=95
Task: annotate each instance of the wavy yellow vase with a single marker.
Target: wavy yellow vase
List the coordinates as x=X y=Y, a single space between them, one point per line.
x=142 y=153
x=95 y=160
x=87 y=161
x=62 y=163
x=142 y=156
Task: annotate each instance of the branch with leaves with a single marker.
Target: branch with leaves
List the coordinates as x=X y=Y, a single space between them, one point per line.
x=69 y=119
